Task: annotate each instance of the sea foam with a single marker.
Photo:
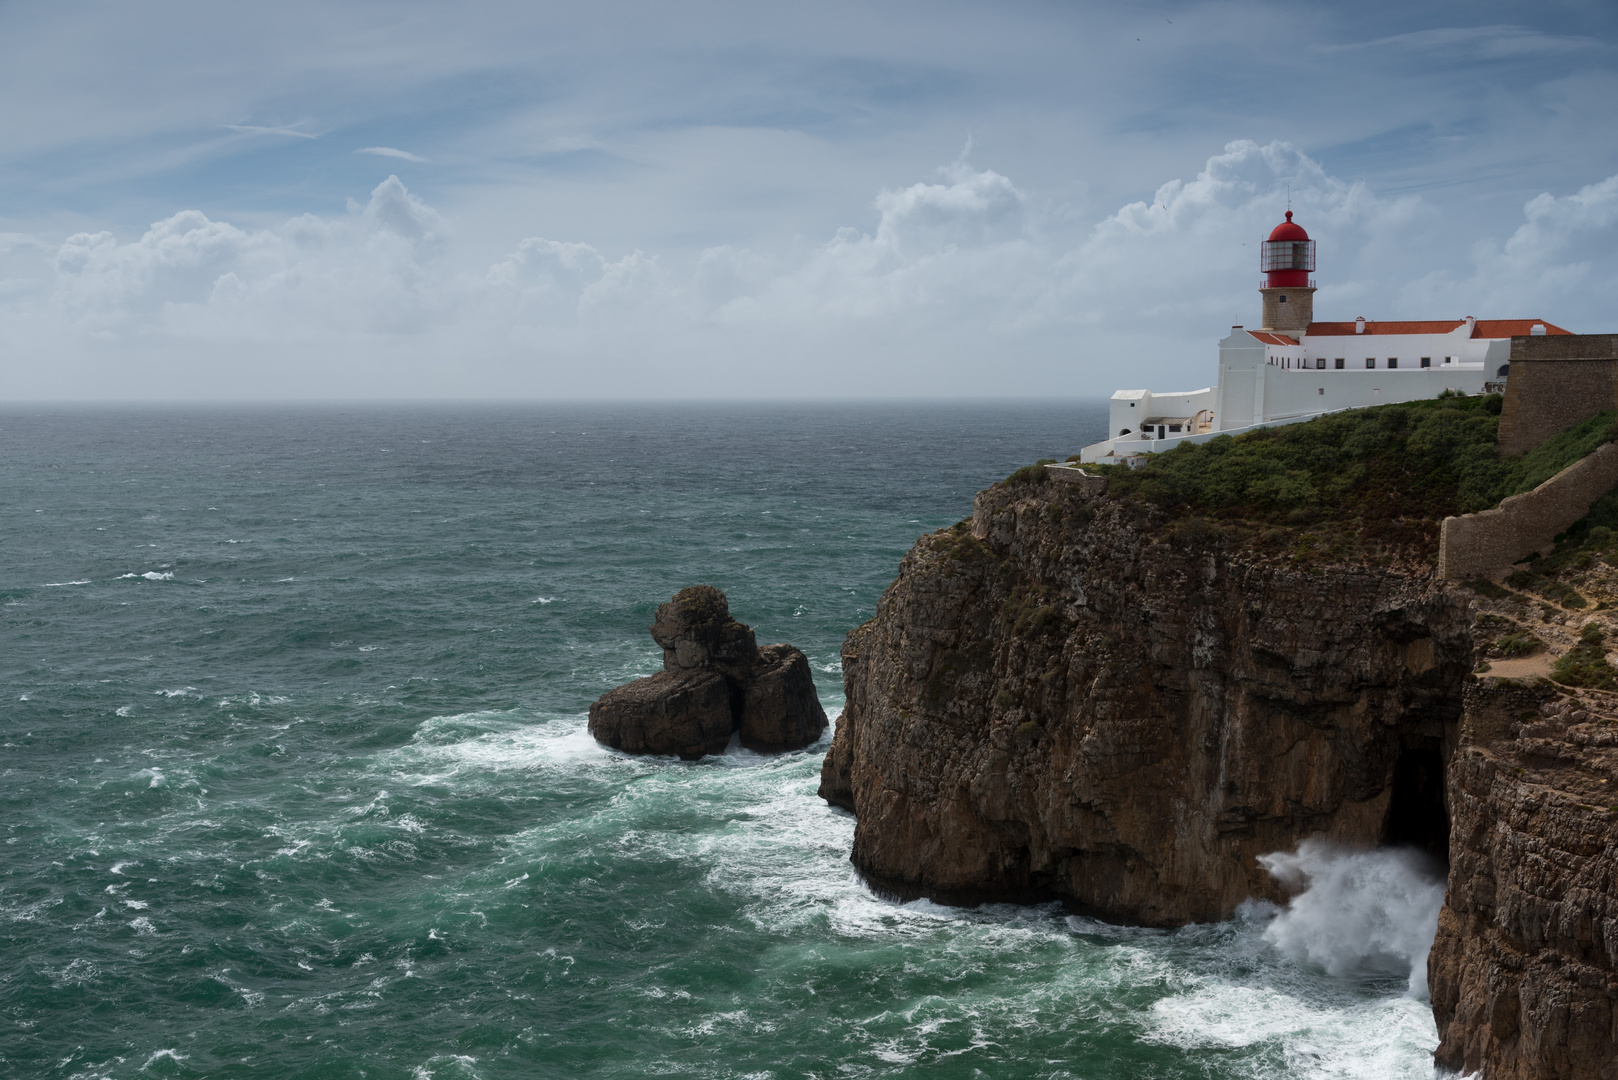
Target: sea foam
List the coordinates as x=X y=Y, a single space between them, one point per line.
x=1359 y=910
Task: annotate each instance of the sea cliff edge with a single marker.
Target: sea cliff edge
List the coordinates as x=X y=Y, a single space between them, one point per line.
x=1083 y=697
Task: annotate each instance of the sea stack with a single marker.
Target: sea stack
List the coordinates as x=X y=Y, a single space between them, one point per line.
x=715 y=682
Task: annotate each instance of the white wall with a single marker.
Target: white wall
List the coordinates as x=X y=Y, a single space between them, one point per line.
x=1132 y=408
x=1242 y=371
x=1291 y=393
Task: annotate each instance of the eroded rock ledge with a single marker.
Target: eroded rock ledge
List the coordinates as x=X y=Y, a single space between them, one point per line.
x=715 y=682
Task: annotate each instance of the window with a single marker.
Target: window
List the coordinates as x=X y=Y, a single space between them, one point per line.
x=1339 y=363
x=1370 y=362
x=1320 y=363
x=1322 y=390
x=1123 y=431
x=1282 y=299
x=1174 y=427
x=1426 y=361
x=1393 y=361
x=1504 y=372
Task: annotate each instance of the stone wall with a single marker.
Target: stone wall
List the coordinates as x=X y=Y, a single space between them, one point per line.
x=1475 y=545
x=1068 y=474
x=1556 y=381
x=1291 y=315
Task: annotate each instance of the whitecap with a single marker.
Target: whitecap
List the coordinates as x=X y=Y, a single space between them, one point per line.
x=143 y=926
x=75 y=973
x=60 y=584
x=446 y=1066
x=124 y=710
x=172 y=1055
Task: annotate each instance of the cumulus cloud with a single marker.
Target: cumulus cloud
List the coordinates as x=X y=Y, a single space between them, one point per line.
x=1557 y=265
x=962 y=283
x=189 y=276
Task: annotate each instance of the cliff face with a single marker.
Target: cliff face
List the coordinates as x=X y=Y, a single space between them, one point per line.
x=1077 y=697
x=1524 y=971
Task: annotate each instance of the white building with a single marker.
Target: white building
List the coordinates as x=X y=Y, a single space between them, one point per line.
x=1295 y=368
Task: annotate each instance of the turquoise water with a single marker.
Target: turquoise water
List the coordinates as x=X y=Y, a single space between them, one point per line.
x=296 y=781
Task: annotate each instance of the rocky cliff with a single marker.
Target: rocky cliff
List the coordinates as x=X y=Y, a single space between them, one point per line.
x=1078 y=696
x=1524 y=970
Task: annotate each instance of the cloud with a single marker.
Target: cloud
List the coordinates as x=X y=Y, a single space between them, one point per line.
x=1475 y=42
x=962 y=283
x=1555 y=265
x=254 y=129
x=388 y=151
x=312 y=280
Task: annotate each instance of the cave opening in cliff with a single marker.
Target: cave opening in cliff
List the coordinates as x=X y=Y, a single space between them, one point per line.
x=1417 y=814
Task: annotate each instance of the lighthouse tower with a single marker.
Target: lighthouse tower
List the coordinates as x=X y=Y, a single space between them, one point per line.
x=1287 y=259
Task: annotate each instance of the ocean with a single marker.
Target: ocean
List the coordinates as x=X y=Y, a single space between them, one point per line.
x=296 y=781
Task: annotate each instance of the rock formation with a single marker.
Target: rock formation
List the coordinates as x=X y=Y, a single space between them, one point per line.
x=1081 y=697
x=715 y=682
x=1524 y=970
x=1073 y=696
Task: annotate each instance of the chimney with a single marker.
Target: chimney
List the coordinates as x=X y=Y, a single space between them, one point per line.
x=1359 y=325
x=1537 y=330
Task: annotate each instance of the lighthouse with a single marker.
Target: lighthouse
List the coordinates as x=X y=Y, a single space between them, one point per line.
x=1295 y=368
x=1287 y=259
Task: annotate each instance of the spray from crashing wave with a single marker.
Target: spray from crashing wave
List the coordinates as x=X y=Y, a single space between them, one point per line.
x=1359 y=911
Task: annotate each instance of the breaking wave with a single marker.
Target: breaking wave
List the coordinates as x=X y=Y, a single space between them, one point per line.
x=1359 y=911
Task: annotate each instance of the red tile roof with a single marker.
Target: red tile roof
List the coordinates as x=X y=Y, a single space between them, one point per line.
x=1273 y=339
x=1483 y=328
x=1493 y=328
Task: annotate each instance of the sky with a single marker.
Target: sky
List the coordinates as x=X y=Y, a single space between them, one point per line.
x=204 y=201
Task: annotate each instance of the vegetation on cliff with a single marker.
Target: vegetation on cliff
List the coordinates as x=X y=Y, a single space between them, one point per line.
x=1412 y=460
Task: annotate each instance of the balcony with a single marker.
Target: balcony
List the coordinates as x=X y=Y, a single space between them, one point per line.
x=1264 y=283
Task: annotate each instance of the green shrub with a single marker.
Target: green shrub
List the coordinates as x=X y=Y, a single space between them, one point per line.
x=1586 y=663
x=1411 y=460
x=1028 y=474
x=1518 y=643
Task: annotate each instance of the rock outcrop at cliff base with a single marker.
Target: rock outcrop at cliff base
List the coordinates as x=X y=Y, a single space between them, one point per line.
x=715 y=682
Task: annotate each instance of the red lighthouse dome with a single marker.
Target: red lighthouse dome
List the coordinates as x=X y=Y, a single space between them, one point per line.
x=1288 y=256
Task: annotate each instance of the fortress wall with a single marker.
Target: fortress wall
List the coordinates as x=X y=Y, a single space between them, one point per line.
x=1556 y=381
x=1475 y=545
